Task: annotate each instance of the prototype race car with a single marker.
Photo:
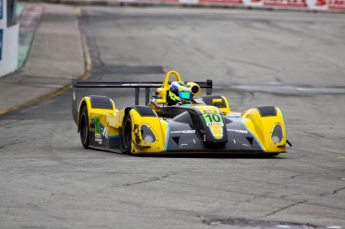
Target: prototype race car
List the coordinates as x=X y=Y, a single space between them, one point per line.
x=205 y=125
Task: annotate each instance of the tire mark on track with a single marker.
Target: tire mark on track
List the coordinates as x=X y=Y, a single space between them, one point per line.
x=284 y=208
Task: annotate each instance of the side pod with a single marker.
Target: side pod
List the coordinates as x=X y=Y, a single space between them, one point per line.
x=266 y=123
x=147 y=134
x=95 y=104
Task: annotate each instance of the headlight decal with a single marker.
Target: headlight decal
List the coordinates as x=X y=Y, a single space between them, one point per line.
x=147 y=134
x=277 y=133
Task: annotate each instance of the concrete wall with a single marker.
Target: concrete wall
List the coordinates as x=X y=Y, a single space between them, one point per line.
x=8 y=43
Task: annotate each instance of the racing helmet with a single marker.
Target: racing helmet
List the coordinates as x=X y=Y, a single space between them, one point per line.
x=180 y=92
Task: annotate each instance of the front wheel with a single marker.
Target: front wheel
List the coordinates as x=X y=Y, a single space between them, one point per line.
x=127 y=135
x=84 y=128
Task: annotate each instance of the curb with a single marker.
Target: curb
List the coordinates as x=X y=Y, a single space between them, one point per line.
x=28 y=23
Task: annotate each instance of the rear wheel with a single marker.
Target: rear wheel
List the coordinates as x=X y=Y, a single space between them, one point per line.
x=84 y=128
x=127 y=134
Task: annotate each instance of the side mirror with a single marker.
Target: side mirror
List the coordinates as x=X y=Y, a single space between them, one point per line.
x=215 y=101
x=161 y=101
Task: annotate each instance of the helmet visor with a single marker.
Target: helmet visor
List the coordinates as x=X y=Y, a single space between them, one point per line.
x=185 y=95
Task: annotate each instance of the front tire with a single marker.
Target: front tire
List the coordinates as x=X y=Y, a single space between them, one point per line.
x=84 y=128
x=268 y=155
x=127 y=135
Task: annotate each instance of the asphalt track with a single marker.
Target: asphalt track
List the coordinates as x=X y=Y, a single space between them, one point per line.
x=49 y=181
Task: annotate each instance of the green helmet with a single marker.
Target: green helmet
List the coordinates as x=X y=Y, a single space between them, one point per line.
x=180 y=92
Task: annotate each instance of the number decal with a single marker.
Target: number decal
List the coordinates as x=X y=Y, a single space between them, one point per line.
x=215 y=124
x=208 y=116
x=213 y=120
x=216 y=117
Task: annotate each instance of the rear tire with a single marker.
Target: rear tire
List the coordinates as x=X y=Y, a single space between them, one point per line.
x=84 y=128
x=127 y=134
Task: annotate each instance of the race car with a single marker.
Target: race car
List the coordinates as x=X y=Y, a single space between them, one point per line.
x=176 y=121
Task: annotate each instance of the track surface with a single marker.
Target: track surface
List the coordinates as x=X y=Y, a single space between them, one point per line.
x=49 y=181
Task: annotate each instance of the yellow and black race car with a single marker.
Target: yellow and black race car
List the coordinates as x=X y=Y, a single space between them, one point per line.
x=203 y=125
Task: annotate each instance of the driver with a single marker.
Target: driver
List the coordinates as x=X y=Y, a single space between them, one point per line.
x=179 y=93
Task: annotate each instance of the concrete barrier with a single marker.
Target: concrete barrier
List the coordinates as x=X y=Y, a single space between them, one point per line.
x=8 y=40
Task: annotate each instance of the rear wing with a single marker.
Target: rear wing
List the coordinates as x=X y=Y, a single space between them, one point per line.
x=136 y=85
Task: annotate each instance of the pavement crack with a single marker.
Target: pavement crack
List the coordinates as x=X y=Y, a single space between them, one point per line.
x=251 y=63
x=145 y=181
x=294 y=176
x=336 y=191
x=284 y=208
x=333 y=193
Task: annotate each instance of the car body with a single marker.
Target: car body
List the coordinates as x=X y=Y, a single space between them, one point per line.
x=207 y=125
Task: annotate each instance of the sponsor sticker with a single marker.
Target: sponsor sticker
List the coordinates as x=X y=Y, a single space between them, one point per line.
x=210 y=111
x=222 y=1
x=98 y=132
x=238 y=131
x=215 y=124
x=286 y=3
x=321 y=2
x=217 y=131
x=258 y=3
x=336 y=4
x=189 y=1
x=105 y=132
x=99 y=140
x=183 y=132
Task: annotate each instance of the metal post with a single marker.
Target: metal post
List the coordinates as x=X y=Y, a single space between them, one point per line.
x=147 y=95
x=137 y=96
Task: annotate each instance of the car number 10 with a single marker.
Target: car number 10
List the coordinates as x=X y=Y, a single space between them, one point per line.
x=213 y=118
